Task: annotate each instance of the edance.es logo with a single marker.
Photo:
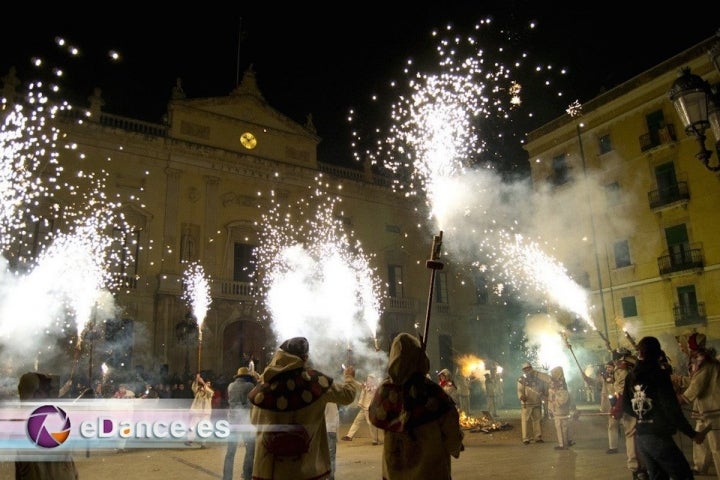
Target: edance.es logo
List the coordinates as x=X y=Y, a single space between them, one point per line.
x=48 y=426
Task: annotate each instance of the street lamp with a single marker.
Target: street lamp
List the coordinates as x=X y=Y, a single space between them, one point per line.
x=698 y=106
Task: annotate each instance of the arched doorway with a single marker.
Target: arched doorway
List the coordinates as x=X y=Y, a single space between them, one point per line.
x=243 y=339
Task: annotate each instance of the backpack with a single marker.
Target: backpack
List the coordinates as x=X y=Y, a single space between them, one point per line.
x=287 y=441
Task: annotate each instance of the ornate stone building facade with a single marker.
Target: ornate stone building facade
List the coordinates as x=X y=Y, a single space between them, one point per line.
x=194 y=189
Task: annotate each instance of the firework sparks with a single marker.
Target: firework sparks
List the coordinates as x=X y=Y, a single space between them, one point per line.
x=316 y=279
x=197 y=291
x=439 y=132
x=51 y=276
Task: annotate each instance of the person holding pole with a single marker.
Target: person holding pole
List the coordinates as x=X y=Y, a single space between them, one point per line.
x=531 y=389
x=201 y=406
x=420 y=421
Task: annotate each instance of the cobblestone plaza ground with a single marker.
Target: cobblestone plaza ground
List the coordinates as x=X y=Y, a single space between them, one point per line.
x=499 y=455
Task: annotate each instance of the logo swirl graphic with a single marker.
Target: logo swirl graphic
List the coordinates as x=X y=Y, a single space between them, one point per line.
x=48 y=426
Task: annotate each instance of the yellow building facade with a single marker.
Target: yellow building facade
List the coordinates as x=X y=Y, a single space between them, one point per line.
x=645 y=224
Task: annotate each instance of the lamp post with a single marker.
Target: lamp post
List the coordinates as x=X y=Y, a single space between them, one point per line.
x=698 y=105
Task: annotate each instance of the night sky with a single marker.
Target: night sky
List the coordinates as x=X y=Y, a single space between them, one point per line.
x=329 y=58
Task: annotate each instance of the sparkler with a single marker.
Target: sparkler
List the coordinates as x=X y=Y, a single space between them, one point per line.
x=197 y=294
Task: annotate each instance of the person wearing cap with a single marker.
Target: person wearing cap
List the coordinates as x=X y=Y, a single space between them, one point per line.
x=607 y=393
x=289 y=414
x=531 y=390
x=649 y=397
x=561 y=407
x=701 y=389
x=366 y=396
x=34 y=386
x=445 y=379
x=239 y=417
x=420 y=421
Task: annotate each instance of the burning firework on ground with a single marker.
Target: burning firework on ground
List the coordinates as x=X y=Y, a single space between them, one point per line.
x=316 y=280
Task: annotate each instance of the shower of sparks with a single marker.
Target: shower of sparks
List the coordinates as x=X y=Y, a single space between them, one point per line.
x=460 y=113
x=197 y=291
x=28 y=150
x=439 y=131
x=316 y=280
x=59 y=256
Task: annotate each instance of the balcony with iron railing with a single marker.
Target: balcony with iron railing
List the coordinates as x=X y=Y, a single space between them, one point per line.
x=400 y=305
x=662 y=136
x=689 y=314
x=688 y=258
x=232 y=290
x=677 y=193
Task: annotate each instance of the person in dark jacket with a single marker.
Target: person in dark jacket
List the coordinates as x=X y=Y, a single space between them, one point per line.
x=649 y=396
x=239 y=417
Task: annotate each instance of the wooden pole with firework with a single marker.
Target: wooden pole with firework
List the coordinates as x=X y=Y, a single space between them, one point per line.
x=434 y=264
x=569 y=346
x=630 y=339
x=607 y=342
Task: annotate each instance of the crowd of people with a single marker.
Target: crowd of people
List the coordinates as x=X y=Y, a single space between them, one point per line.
x=643 y=396
x=287 y=417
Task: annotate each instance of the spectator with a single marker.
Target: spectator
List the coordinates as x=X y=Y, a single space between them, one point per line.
x=332 y=422
x=239 y=418
x=38 y=386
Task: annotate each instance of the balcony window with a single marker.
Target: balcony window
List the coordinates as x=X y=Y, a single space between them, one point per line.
x=126 y=249
x=559 y=174
x=621 y=249
x=605 y=144
x=629 y=307
x=612 y=193
x=440 y=288
x=395 y=281
x=243 y=262
x=482 y=292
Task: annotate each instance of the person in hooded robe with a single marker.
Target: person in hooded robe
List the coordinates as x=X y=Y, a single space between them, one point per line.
x=420 y=421
x=289 y=415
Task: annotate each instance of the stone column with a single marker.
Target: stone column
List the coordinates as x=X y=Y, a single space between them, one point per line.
x=212 y=206
x=170 y=228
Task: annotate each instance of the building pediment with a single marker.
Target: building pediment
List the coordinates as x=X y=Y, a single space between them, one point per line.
x=243 y=122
